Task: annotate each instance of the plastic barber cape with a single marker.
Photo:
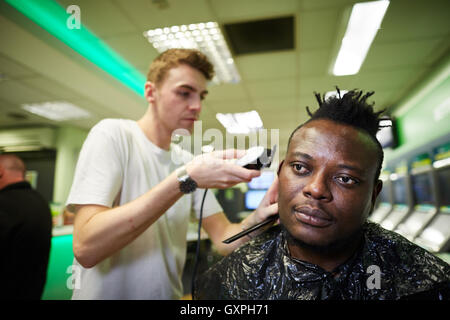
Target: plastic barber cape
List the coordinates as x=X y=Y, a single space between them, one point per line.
x=386 y=266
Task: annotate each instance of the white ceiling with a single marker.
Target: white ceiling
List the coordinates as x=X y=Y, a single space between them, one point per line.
x=35 y=67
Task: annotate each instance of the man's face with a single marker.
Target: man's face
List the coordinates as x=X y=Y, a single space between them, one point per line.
x=178 y=99
x=326 y=183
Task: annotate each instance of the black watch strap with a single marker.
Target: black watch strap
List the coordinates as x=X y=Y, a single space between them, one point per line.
x=186 y=183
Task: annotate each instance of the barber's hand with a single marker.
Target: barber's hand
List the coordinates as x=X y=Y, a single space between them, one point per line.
x=215 y=170
x=268 y=207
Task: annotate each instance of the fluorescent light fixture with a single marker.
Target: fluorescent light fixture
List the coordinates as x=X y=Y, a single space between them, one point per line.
x=21 y=148
x=441 y=163
x=364 y=22
x=52 y=17
x=58 y=111
x=205 y=37
x=330 y=94
x=240 y=123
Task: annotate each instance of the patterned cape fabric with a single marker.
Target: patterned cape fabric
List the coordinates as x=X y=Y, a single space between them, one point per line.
x=385 y=267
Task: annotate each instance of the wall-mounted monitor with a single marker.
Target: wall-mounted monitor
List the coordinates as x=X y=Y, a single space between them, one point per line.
x=264 y=181
x=443 y=179
x=387 y=134
x=399 y=186
x=384 y=194
x=253 y=198
x=422 y=191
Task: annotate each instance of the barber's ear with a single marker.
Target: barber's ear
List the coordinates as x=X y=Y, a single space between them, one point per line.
x=279 y=167
x=149 y=91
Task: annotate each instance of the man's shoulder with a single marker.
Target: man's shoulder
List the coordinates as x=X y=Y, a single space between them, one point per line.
x=220 y=281
x=405 y=261
x=110 y=123
x=254 y=252
x=392 y=243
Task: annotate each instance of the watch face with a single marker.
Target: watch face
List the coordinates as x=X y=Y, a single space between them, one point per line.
x=188 y=186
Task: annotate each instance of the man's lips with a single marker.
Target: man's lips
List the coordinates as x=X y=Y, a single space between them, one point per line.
x=312 y=216
x=190 y=119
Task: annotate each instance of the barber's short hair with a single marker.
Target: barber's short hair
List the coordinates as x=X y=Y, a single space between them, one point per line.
x=173 y=58
x=350 y=109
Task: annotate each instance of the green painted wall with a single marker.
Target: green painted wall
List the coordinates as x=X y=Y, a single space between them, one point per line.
x=68 y=145
x=425 y=114
x=61 y=257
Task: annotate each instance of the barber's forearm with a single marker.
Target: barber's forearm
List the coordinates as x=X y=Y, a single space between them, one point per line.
x=108 y=231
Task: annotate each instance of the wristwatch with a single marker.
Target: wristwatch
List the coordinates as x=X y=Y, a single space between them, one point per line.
x=187 y=184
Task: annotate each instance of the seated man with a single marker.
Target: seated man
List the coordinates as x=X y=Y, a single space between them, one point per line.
x=324 y=248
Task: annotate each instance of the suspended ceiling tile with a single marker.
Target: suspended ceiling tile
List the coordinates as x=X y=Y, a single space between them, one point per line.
x=230 y=106
x=12 y=69
x=134 y=48
x=324 y=84
x=317 y=29
x=51 y=88
x=102 y=17
x=267 y=66
x=10 y=89
x=401 y=53
x=280 y=104
x=423 y=19
x=148 y=15
x=226 y=91
x=272 y=88
x=324 y=4
x=314 y=62
x=386 y=79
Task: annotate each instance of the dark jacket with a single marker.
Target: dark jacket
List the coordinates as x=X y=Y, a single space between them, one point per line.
x=25 y=238
x=263 y=269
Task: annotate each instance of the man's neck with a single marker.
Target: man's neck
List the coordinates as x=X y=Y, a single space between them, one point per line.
x=155 y=132
x=328 y=258
x=6 y=182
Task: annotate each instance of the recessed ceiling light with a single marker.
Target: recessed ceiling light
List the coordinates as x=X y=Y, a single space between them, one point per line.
x=57 y=110
x=205 y=37
x=364 y=22
x=240 y=123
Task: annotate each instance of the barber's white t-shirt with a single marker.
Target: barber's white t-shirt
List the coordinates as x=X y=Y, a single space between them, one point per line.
x=117 y=164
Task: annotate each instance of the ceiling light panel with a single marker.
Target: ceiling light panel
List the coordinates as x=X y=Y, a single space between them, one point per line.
x=364 y=22
x=57 y=110
x=205 y=37
x=240 y=123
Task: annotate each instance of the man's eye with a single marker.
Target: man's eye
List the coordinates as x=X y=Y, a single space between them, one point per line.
x=299 y=168
x=184 y=94
x=347 y=180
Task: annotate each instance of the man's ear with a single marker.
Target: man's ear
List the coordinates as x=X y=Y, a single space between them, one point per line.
x=279 y=167
x=376 y=191
x=149 y=91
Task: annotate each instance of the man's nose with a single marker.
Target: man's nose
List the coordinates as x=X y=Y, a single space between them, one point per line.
x=317 y=187
x=196 y=105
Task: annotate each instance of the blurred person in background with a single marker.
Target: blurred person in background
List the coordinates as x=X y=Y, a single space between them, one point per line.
x=25 y=233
